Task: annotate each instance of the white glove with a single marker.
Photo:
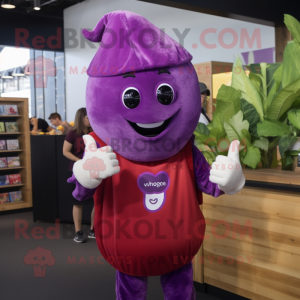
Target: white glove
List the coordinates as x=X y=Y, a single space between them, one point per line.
x=227 y=172
x=97 y=164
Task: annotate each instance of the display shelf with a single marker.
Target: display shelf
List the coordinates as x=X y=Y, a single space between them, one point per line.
x=14 y=205
x=10 y=133
x=12 y=168
x=6 y=151
x=10 y=116
x=11 y=185
x=24 y=153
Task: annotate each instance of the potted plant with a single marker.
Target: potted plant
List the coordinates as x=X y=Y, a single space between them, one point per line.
x=261 y=110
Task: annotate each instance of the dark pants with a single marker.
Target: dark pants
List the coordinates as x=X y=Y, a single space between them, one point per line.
x=177 y=285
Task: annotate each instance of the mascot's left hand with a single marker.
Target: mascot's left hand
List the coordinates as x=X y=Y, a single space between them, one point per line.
x=226 y=171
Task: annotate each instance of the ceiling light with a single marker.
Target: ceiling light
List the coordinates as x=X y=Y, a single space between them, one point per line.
x=8 y=4
x=18 y=72
x=37 y=4
x=7 y=75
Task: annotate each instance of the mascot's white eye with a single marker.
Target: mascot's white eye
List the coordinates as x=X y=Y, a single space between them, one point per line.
x=131 y=98
x=165 y=94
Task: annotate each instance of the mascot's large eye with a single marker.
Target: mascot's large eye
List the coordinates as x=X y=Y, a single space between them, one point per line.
x=131 y=98
x=165 y=94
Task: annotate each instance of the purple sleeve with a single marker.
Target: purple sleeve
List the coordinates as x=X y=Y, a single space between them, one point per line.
x=81 y=193
x=201 y=170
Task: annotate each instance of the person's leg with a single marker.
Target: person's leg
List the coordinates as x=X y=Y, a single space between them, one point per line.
x=92 y=218
x=77 y=217
x=91 y=232
x=131 y=287
x=178 y=284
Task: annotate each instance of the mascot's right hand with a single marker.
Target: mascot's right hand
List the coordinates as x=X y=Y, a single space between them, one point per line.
x=97 y=164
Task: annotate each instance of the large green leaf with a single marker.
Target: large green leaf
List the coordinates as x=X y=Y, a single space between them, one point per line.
x=262 y=143
x=218 y=133
x=296 y=103
x=252 y=157
x=291 y=63
x=294 y=152
x=247 y=136
x=286 y=142
x=202 y=128
x=275 y=83
x=201 y=146
x=201 y=136
x=272 y=128
x=284 y=100
x=287 y=160
x=251 y=116
x=209 y=156
x=228 y=102
x=291 y=55
x=217 y=122
x=293 y=26
x=241 y=82
x=264 y=67
x=257 y=81
x=235 y=125
x=294 y=118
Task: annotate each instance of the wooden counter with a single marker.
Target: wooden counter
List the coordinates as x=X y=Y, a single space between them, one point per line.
x=252 y=242
x=274 y=175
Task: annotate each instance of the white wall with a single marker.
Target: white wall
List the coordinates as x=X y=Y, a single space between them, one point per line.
x=11 y=57
x=88 y=13
x=20 y=94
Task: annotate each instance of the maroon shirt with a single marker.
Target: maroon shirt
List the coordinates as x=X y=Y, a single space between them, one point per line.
x=78 y=145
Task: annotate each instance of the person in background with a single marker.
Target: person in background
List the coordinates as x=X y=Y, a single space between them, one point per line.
x=55 y=120
x=204 y=118
x=38 y=125
x=73 y=149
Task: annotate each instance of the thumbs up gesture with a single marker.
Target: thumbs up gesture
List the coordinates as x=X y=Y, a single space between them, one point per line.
x=227 y=172
x=97 y=164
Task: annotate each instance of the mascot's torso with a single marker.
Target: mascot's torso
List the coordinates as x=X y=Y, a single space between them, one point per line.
x=148 y=220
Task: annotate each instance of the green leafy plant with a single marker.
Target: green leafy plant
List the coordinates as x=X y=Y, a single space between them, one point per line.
x=261 y=109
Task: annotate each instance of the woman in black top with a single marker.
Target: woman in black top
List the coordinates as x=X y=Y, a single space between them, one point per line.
x=73 y=149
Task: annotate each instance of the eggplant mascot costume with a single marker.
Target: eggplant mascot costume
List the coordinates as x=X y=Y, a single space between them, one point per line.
x=140 y=163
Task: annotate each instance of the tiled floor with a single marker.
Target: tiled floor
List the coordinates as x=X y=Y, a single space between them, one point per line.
x=75 y=271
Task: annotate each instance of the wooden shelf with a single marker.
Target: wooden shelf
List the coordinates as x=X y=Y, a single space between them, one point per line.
x=10 y=116
x=14 y=205
x=11 y=203
x=10 y=151
x=12 y=168
x=11 y=185
x=24 y=153
x=274 y=175
x=10 y=133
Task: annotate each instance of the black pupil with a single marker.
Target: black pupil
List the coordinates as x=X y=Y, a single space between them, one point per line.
x=131 y=98
x=165 y=95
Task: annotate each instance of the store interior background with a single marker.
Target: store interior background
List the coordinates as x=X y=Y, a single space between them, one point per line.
x=66 y=95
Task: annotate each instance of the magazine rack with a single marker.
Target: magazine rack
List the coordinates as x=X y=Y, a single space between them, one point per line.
x=23 y=137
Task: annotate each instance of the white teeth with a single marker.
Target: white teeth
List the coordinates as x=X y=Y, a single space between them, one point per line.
x=150 y=125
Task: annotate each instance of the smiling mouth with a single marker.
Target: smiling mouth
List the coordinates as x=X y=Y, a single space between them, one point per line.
x=153 y=201
x=150 y=129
